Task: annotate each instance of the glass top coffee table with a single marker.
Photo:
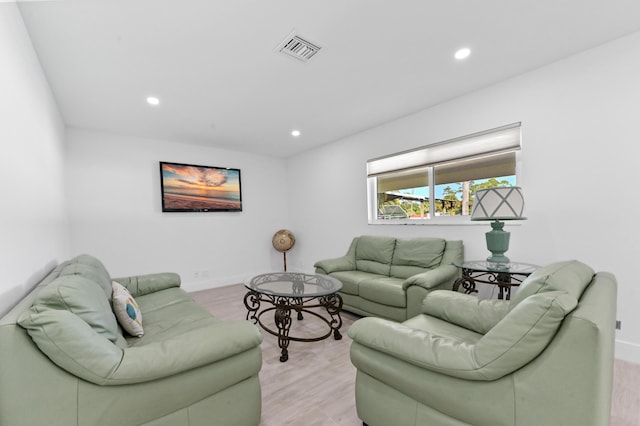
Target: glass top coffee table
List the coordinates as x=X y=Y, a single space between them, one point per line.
x=283 y=292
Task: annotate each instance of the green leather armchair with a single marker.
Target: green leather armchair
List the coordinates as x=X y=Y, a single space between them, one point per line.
x=543 y=358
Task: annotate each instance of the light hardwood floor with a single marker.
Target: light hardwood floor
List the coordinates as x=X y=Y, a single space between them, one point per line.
x=315 y=387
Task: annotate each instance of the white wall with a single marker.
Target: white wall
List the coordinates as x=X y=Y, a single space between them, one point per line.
x=113 y=184
x=579 y=171
x=33 y=222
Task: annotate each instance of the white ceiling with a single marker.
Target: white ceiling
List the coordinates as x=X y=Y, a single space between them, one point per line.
x=215 y=67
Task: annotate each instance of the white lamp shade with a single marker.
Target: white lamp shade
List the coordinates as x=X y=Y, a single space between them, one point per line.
x=505 y=203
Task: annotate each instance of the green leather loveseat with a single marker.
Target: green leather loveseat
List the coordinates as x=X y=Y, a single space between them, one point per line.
x=543 y=358
x=64 y=359
x=388 y=277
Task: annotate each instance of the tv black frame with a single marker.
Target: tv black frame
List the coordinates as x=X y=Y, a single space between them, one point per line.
x=163 y=191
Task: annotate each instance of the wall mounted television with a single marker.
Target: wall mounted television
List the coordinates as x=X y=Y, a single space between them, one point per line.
x=192 y=188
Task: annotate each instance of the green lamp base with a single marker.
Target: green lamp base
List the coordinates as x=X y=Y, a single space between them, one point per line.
x=498 y=244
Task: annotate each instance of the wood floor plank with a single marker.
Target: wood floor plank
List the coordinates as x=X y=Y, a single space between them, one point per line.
x=316 y=386
x=625 y=400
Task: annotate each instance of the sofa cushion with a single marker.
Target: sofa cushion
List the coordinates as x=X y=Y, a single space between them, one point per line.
x=351 y=280
x=127 y=311
x=374 y=254
x=91 y=268
x=385 y=290
x=414 y=256
x=168 y=314
x=571 y=276
x=81 y=297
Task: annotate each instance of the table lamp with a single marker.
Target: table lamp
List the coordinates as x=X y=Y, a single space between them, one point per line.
x=497 y=205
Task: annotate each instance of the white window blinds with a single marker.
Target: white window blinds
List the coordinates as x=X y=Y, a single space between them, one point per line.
x=495 y=141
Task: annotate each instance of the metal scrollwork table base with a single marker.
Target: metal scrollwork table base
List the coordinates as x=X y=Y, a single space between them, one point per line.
x=285 y=292
x=503 y=276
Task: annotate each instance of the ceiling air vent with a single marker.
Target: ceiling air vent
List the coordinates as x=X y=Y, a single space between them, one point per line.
x=298 y=48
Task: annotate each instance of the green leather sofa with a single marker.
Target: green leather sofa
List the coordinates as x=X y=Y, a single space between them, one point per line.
x=388 y=277
x=543 y=358
x=65 y=361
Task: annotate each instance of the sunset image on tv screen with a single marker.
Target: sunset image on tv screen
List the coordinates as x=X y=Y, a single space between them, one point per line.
x=200 y=188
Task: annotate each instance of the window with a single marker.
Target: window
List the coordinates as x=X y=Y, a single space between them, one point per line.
x=439 y=180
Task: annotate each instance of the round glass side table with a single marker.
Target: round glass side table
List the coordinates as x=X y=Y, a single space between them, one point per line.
x=480 y=271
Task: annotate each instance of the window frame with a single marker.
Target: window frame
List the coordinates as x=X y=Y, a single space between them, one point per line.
x=465 y=148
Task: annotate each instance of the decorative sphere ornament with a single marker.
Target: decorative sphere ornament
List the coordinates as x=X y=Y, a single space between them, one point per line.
x=283 y=240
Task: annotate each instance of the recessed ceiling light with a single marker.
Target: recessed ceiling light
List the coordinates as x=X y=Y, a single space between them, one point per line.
x=295 y=133
x=463 y=53
x=152 y=100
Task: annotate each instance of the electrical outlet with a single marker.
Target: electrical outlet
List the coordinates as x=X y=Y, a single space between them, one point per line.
x=201 y=274
x=618 y=325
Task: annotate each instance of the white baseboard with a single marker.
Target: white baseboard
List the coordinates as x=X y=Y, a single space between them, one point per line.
x=627 y=351
x=201 y=285
x=191 y=286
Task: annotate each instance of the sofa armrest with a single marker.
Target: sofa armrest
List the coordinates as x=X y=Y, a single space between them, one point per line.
x=433 y=278
x=453 y=357
x=464 y=310
x=520 y=337
x=72 y=344
x=344 y=263
x=327 y=266
x=144 y=284
x=77 y=348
